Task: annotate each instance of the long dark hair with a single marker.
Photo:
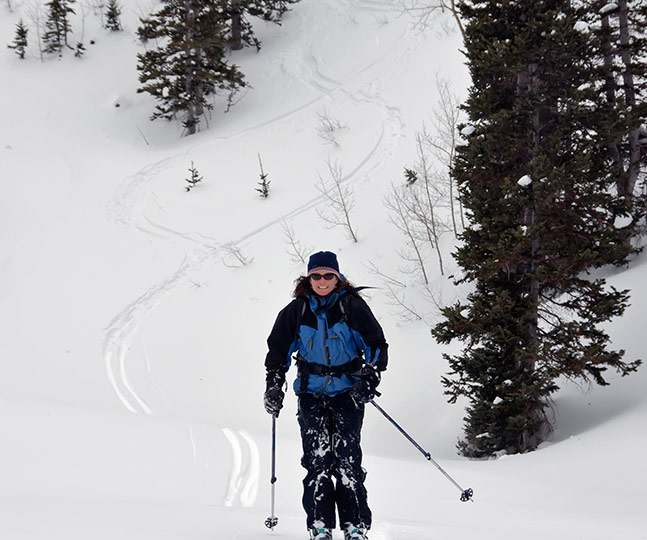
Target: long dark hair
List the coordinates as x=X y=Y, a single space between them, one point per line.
x=303 y=286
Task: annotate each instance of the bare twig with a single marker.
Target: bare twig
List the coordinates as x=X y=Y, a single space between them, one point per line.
x=328 y=127
x=424 y=10
x=372 y=268
x=395 y=294
x=405 y=310
x=297 y=251
x=340 y=201
x=142 y=134
x=234 y=252
x=442 y=143
x=401 y=218
x=424 y=208
x=34 y=12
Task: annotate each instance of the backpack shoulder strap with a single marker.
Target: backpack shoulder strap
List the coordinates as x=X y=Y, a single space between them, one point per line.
x=301 y=309
x=344 y=301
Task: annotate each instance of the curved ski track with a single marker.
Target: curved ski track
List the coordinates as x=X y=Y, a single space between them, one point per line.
x=127 y=205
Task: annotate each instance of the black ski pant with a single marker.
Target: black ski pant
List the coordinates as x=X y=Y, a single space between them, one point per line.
x=332 y=457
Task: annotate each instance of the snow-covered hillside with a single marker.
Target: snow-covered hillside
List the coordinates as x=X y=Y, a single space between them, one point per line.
x=133 y=339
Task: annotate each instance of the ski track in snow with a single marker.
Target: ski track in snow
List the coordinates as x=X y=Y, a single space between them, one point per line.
x=244 y=475
x=127 y=205
x=244 y=469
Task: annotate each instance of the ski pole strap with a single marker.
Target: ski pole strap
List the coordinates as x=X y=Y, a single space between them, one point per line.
x=273 y=478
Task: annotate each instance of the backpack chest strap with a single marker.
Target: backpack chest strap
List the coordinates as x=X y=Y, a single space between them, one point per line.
x=334 y=371
x=305 y=369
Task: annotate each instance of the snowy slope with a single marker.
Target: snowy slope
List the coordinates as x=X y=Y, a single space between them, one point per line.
x=133 y=340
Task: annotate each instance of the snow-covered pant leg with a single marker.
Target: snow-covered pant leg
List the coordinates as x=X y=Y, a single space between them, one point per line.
x=350 y=494
x=318 y=460
x=332 y=456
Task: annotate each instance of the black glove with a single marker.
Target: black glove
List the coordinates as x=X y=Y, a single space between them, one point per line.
x=273 y=398
x=365 y=386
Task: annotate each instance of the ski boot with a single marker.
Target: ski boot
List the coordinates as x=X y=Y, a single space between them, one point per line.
x=351 y=532
x=320 y=534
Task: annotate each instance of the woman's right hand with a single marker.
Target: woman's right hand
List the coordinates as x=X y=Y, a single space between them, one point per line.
x=273 y=400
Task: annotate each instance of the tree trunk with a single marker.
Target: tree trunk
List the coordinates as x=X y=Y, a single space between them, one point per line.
x=189 y=68
x=528 y=82
x=236 y=26
x=610 y=88
x=626 y=189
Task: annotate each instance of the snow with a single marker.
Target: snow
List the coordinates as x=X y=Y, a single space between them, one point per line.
x=524 y=181
x=582 y=26
x=608 y=8
x=468 y=130
x=622 y=221
x=133 y=334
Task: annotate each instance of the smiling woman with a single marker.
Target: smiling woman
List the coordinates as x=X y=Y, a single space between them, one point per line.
x=323 y=284
x=340 y=351
x=323 y=272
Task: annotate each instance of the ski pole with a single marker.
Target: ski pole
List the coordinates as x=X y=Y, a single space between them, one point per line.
x=273 y=521
x=466 y=494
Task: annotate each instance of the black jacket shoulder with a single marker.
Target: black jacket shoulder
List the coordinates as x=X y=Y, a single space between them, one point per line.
x=283 y=335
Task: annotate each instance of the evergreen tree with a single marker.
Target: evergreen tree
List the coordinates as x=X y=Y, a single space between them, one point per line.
x=20 y=40
x=58 y=25
x=536 y=183
x=188 y=63
x=194 y=179
x=236 y=13
x=113 y=14
x=79 y=50
x=264 y=184
x=410 y=176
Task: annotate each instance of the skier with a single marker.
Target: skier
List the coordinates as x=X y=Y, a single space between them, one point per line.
x=340 y=352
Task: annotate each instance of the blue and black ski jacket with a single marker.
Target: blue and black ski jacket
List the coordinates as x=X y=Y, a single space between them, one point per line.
x=331 y=337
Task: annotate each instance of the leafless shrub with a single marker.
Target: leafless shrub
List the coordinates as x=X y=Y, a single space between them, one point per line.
x=339 y=201
x=34 y=12
x=414 y=211
x=328 y=128
x=441 y=142
x=297 y=251
x=425 y=10
x=401 y=217
x=409 y=301
x=235 y=257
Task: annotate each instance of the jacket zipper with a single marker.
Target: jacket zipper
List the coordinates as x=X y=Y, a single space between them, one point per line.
x=325 y=318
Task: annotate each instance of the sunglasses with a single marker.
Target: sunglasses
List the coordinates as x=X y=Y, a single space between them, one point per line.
x=327 y=276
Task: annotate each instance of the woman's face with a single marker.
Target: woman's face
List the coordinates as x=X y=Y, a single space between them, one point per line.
x=324 y=283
